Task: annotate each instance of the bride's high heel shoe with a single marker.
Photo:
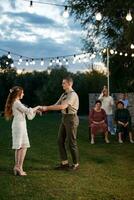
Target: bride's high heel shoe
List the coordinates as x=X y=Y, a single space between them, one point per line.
x=19 y=172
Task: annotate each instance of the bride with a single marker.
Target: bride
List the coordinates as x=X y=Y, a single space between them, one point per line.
x=20 y=141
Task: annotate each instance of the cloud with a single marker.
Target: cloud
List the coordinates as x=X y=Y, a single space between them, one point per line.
x=44 y=32
x=32 y=18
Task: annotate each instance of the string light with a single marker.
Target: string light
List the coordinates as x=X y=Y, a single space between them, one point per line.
x=111 y=51
x=98 y=16
x=42 y=62
x=33 y=61
x=104 y=50
x=132 y=46
x=27 y=63
x=20 y=59
x=81 y=57
x=67 y=62
x=57 y=61
x=51 y=63
x=12 y=65
x=66 y=13
x=60 y=63
x=129 y=16
x=9 y=55
x=31 y=3
x=30 y=8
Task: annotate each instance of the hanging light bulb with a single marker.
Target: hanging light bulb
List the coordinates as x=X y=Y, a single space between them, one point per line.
x=111 y=51
x=104 y=50
x=51 y=63
x=98 y=16
x=9 y=55
x=132 y=54
x=57 y=61
x=18 y=63
x=42 y=62
x=30 y=8
x=79 y=60
x=20 y=59
x=7 y=63
x=64 y=59
x=132 y=46
x=27 y=63
x=12 y=65
x=129 y=16
x=33 y=61
x=67 y=62
x=31 y=3
x=126 y=54
x=66 y=13
x=60 y=63
x=115 y=52
x=121 y=53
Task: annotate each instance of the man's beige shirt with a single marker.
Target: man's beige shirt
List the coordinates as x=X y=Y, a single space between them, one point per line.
x=71 y=98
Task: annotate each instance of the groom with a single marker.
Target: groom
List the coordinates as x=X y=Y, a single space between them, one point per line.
x=68 y=103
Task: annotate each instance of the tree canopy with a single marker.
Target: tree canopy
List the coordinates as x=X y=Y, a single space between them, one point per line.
x=113 y=31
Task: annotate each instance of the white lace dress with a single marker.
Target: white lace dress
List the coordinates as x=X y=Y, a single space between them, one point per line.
x=19 y=128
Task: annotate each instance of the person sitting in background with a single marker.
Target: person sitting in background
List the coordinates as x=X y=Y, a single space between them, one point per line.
x=98 y=121
x=124 y=99
x=107 y=105
x=123 y=122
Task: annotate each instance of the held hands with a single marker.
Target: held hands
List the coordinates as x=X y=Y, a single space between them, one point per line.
x=44 y=108
x=40 y=109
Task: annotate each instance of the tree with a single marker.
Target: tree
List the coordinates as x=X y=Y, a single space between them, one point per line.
x=113 y=31
x=113 y=28
x=7 y=77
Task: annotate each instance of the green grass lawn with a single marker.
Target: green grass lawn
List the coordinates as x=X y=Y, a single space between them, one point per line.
x=106 y=170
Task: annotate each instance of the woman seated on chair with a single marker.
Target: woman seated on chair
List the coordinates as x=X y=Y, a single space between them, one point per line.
x=123 y=122
x=98 y=121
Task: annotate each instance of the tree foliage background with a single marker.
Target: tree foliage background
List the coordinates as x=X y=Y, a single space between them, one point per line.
x=43 y=88
x=113 y=32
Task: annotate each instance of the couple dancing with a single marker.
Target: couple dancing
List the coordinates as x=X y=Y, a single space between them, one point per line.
x=68 y=103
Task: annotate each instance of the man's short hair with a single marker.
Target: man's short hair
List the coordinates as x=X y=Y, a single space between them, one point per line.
x=68 y=79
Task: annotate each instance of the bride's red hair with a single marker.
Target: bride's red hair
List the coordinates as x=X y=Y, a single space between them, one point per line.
x=14 y=92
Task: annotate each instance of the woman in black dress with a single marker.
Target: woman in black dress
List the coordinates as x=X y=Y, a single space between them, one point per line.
x=123 y=122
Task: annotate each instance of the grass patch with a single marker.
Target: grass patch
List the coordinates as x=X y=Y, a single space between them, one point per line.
x=106 y=170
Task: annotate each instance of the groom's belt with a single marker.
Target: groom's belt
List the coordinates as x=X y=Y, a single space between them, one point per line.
x=67 y=114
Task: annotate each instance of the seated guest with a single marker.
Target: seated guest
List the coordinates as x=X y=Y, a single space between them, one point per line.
x=123 y=122
x=124 y=99
x=98 y=121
